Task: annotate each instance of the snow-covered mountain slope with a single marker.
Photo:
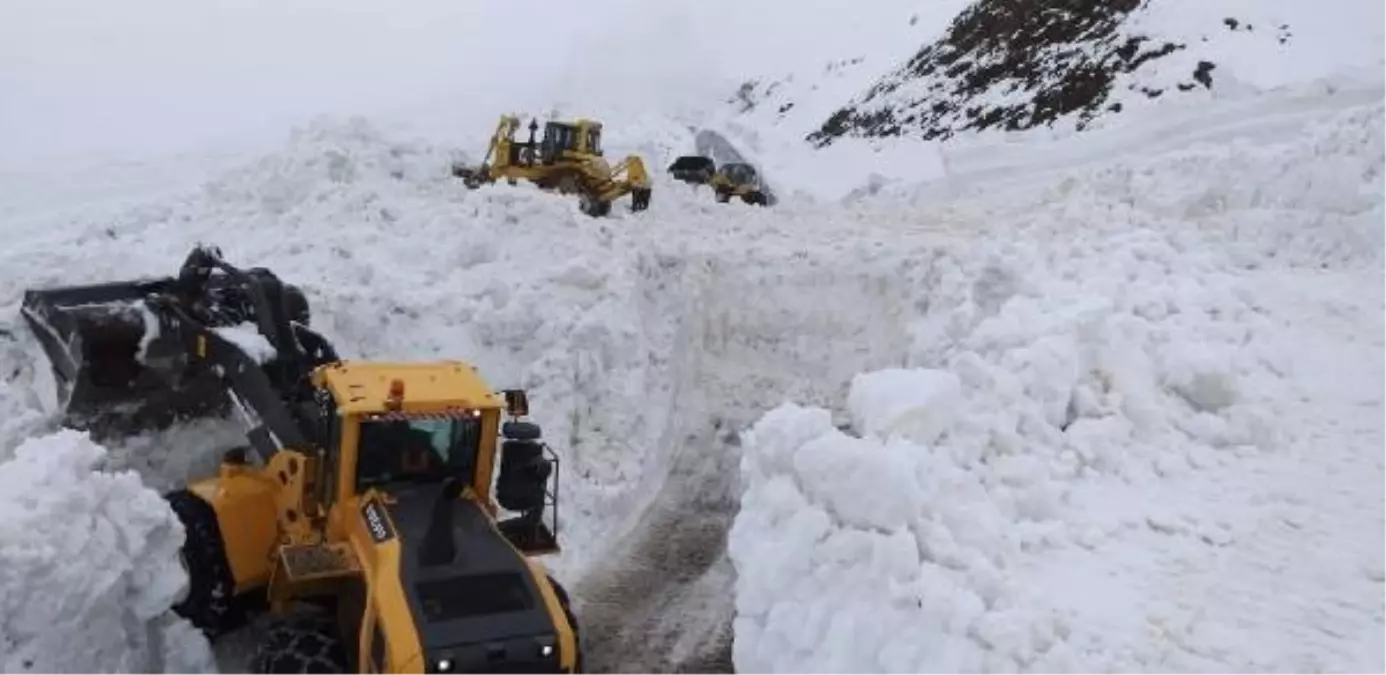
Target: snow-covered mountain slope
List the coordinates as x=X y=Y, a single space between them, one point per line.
x=1139 y=427
x=1139 y=368
x=1010 y=65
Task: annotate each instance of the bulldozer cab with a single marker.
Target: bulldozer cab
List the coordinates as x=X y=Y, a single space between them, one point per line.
x=582 y=137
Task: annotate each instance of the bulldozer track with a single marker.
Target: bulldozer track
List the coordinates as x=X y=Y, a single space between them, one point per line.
x=663 y=603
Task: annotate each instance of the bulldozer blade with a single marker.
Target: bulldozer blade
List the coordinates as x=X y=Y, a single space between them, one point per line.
x=471 y=177
x=113 y=373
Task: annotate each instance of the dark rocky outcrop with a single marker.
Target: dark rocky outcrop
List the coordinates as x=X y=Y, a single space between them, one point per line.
x=1010 y=65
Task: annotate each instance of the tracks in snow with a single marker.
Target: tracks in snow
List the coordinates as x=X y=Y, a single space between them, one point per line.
x=664 y=603
x=749 y=334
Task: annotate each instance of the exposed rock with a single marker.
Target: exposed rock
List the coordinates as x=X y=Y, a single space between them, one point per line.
x=1012 y=65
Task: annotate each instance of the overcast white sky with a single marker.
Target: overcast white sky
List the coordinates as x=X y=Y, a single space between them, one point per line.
x=87 y=78
x=160 y=75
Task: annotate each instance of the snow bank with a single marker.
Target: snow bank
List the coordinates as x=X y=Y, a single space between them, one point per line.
x=902 y=550
x=1112 y=406
x=61 y=612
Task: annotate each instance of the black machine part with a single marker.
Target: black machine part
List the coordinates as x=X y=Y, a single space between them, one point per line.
x=695 y=169
x=127 y=356
x=522 y=486
x=474 y=600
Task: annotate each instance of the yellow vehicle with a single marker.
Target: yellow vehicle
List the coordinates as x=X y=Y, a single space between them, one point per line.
x=568 y=159
x=361 y=513
x=738 y=180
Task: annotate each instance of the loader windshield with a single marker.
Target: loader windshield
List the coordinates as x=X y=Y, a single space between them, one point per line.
x=423 y=449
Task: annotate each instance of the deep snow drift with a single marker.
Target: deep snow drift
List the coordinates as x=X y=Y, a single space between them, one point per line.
x=1115 y=389
x=1141 y=430
x=1078 y=441
x=89 y=567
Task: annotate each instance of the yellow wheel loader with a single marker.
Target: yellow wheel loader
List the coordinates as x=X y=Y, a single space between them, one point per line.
x=567 y=159
x=738 y=180
x=362 y=512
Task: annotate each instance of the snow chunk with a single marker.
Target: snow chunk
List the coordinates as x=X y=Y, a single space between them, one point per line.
x=918 y=404
x=247 y=338
x=58 y=516
x=864 y=555
x=151 y=332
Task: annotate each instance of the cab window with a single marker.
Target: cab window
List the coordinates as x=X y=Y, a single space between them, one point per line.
x=412 y=450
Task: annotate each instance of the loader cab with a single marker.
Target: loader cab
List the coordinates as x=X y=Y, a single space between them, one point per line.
x=394 y=427
x=399 y=450
x=388 y=426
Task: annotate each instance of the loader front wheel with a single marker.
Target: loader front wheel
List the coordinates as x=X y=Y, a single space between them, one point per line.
x=209 y=603
x=639 y=199
x=301 y=643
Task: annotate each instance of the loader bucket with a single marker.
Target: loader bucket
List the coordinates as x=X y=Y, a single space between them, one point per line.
x=112 y=372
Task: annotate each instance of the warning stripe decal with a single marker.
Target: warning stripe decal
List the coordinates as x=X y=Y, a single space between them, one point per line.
x=458 y=413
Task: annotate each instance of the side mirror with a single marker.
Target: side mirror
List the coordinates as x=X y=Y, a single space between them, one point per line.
x=516 y=402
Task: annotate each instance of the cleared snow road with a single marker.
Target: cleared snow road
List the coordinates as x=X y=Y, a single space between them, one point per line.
x=664 y=604
x=661 y=597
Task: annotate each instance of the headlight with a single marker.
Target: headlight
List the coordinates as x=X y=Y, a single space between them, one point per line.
x=444 y=665
x=546 y=650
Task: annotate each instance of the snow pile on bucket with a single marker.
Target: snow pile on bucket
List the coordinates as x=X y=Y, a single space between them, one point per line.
x=88 y=559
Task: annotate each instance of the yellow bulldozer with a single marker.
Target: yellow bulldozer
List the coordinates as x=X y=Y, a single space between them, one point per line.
x=567 y=159
x=362 y=513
